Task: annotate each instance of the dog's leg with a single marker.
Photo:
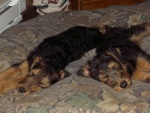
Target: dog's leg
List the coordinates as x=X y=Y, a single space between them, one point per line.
x=14 y=71
x=85 y=71
x=142 y=72
x=11 y=76
x=141 y=75
x=10 y=84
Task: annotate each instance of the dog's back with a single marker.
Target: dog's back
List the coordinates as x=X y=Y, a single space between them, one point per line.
x=70 y=45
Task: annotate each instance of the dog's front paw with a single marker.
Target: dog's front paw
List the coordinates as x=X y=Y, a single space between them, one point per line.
x=84 y=71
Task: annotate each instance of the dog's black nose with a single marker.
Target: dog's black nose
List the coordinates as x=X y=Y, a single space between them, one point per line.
x=22 y=89
x=123 y=84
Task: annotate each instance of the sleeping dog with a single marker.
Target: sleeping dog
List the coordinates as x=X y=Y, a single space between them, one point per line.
x=120 y=59
x=45 y=64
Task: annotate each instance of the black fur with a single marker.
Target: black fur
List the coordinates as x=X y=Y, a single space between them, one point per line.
x=58 y=51
x=119 y=37
x=118 y=48
x=48 y=60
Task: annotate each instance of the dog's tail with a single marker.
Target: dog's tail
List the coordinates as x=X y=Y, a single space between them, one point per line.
x=142 y=32
x=134 y=33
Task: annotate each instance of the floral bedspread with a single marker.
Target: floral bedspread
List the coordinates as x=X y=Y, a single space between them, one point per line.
x=74 y=94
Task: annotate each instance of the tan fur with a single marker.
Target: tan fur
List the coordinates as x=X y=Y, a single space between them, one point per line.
x=36 y=60
x=123 y=65
x=19 y=75
x=10 y=84
x=62 y=74
x=112 y=65
x=22 y=68
x=30 y=84
x=86 y=71
x=29 y=89
x=102 y=29
x=10 y=78
x=142 y=71
x=45 y=82
x=35 y=81
x=118 y=88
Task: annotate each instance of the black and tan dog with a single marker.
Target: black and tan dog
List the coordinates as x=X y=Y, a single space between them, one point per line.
x=45 y=65
x=120 y=59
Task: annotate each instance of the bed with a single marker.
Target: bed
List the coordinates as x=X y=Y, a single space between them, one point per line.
x=74 y=94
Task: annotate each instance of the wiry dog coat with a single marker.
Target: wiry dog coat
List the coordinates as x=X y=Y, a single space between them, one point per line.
x=45 y=64
x=120 y=58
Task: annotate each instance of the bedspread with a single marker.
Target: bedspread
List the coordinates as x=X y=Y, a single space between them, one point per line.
x=74 y=94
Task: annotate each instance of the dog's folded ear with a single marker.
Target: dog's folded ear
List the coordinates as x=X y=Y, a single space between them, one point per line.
x=84 y=71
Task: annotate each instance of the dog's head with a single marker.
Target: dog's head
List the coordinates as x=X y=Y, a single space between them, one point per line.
x=108 y=68
x=40 y=76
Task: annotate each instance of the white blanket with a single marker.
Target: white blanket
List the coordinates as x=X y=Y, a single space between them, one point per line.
x=3 y=65
x=49 y=6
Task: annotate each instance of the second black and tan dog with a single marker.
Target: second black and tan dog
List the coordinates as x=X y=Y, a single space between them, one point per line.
x=120 y=59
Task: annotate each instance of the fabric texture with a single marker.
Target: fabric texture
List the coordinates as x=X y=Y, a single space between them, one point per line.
x=49 y=6
x=74 y=94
